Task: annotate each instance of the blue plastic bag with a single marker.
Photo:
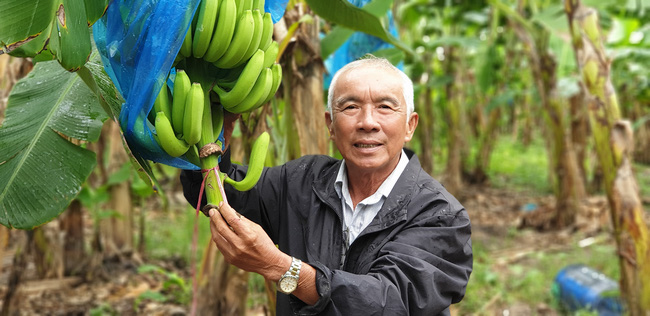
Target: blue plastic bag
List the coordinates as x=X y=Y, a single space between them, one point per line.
x=138 y=41
x=356 y=46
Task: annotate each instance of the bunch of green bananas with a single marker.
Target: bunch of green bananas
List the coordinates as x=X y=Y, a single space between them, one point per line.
x=228 y=56
x=236 y=37
x=188 y=123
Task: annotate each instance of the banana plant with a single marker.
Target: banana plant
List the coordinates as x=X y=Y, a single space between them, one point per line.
x=50 y=114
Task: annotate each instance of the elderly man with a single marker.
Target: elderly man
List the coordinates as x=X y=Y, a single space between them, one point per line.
x=372 y=234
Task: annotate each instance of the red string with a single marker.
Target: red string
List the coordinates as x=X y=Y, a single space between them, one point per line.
x=196 y=232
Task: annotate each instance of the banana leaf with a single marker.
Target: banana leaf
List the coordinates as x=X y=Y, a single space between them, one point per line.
x=343 y=13
x=42 y=168
x=335 y=38
x=21 y=20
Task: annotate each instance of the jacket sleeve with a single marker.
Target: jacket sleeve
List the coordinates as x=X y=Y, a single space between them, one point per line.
x=420 y=270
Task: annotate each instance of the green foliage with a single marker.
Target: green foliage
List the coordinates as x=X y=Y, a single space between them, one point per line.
x=41 y=170
x=174 y=287
x=102 y=310
x=50 y=29
x=519 y=168
x=171 y=235
x=342 y=13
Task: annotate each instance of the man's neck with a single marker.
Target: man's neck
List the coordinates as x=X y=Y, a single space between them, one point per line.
x=363 y=184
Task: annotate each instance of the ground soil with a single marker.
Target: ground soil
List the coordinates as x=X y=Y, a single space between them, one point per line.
x=116 y=287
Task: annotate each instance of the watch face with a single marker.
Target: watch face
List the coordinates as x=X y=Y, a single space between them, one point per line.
x=287 y=285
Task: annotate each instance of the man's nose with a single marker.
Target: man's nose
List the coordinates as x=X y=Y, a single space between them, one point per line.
x=368 y=119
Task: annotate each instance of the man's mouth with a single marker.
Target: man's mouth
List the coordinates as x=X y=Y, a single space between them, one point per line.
x=366 y=145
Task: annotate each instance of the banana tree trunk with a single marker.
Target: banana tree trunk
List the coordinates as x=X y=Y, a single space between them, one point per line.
x=486 y=142
x=579 y=131
x=568 y=188
x=425 y=128
x=304 y=83
x=642 y=152
x=117 y=231
x=614 y=146
x=453 y=173
x=73 y=245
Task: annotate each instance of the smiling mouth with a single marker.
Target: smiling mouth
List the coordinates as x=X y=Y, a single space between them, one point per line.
x=366 y=145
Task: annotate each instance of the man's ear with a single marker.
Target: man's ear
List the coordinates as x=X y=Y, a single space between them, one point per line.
x=328 y=122
x=411 y=124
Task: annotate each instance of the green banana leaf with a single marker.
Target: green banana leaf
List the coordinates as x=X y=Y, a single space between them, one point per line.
x=21 y=20
x=335 y=38
x=27 y=28
x=41 y=170
x=343 y=13
x=70 y=35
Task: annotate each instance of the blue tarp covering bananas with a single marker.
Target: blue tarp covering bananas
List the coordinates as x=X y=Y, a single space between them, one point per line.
x=227 y=62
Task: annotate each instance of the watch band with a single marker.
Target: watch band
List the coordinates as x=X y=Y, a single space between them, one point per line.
x=289 y=280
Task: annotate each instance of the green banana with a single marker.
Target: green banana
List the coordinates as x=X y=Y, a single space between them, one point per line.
x=276 y=71
x=255 y=166
x=182 y=85
x=258 y=93
x=186 y=47
x=258 y=5
x=204 y=27
x=246 y=4
x=223 y=31
x=267 y=31
x=255 y=40
x=166 y=139
x=243 y=86
x=207 y=133
x=240 y=41
x=192 y=120
x=162 y=102
x=271 y=54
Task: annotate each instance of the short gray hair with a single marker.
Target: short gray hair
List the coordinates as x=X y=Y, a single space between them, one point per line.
x=372 y=61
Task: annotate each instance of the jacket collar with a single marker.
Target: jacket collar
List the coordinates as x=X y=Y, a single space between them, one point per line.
x=391 y=212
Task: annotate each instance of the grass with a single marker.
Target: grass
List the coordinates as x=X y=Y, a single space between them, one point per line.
x=518 y=168
x=170 y=235
x=528 y=281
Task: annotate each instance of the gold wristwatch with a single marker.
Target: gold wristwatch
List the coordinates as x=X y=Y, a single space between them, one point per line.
x=289 y=281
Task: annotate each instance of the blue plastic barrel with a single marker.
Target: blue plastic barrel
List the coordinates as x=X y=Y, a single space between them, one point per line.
x=581 y=287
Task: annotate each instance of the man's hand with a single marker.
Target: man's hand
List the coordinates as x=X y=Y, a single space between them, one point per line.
x=245 y=244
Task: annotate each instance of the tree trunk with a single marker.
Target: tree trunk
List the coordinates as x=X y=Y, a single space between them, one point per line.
x=18 y=267
x=425 y=127
x=579 y=131
x=642 y=144
x=117 y=230
x=223 y=288
x=614 y=146
x=562 y=162
x=73 y=246
x=453 y=171
x=304 y=75
x=486 y=142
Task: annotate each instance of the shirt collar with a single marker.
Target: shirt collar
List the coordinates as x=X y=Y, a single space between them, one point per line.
x=341 y=183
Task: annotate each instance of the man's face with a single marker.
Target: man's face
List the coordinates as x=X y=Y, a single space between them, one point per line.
x=368 y=123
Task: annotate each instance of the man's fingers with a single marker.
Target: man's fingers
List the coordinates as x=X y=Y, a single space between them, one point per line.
x=232 y=217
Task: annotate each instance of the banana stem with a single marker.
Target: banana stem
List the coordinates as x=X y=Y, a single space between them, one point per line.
x=213 y=191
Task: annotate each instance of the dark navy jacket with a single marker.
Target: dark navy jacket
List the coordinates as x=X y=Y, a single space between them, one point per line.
x=414 y=258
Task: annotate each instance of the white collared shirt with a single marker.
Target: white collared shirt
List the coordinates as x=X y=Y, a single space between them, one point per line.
x=355 y=221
